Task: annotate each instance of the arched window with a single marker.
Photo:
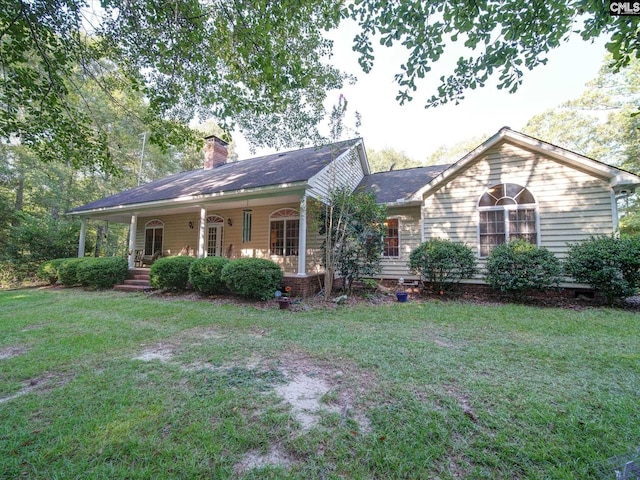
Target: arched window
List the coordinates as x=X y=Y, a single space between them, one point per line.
x=284 y=232
x=506 y=212
x=153 y=233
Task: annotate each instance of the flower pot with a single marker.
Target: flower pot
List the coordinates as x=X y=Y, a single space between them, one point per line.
x=284 y=303
x=402 y=296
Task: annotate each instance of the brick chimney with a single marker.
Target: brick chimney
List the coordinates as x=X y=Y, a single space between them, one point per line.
x=215 y=152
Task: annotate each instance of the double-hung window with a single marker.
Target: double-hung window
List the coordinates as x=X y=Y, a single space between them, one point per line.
x=391 y=240
x=284 y=232
x=506 y=212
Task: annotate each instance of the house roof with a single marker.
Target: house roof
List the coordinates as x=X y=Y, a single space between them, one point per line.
x=620 y=180
x=269 y=170
x=399 y=185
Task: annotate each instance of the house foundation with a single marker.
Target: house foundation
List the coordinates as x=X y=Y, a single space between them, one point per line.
x=304 y=285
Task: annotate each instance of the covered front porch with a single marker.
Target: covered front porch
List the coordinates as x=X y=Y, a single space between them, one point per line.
x=280 y=228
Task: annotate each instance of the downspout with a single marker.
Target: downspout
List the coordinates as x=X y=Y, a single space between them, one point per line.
x=422 y=223
x=614 y=212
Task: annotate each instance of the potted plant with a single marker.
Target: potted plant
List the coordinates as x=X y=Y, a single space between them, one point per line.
x=284 y=298
x=401 y=295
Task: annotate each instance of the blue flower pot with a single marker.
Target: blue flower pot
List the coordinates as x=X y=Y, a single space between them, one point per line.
x=402 y=296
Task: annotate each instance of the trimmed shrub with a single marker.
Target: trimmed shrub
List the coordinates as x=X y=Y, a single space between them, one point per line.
x=68 y=271
x=255 y=278
x=609 y=265
x=170 y=273
x=48 y=271
x=204 y=274
x=519 y=265
x=442 y=263
x=102 y=272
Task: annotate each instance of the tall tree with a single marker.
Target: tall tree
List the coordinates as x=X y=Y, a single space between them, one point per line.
x=448 y=154
x=601 y=123
x=233 y=61
x=389 y=159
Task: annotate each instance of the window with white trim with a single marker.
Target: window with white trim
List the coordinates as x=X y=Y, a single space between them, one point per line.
x=215 y=229
x=284 y=232
x=153 y=233
x=247 y=220
x=391 y=238
x=506 y=212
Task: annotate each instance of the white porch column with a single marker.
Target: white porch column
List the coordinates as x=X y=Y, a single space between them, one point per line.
x=83 y=237
x=201 y=228
x=302 y=238
x=132 y=240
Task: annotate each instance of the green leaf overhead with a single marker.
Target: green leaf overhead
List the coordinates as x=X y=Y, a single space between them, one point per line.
x=503 y=37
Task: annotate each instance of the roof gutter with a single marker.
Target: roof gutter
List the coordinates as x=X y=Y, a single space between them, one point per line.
x=404 y=203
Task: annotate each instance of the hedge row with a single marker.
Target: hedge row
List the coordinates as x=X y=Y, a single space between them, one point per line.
x=91 y=272
x=609 y=265
x=253 y=278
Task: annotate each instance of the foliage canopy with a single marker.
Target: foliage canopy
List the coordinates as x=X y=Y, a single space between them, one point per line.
x=261 y=66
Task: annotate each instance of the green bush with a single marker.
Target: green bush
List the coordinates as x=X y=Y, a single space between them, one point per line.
x=609 y=265
x=518 y=265
x=256 y=278
x=442 y=263
x=16 y=272
x=102 y=272
x=68 y=271
x=48 y=271
x=170 y=273
x=204 y=274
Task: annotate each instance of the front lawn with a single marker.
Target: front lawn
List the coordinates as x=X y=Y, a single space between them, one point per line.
x=110 y=385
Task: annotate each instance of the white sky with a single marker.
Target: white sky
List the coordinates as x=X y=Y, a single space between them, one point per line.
x=419 y=131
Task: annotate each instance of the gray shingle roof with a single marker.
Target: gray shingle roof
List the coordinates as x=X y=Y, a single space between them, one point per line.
x=277 y=169
x=399 y=184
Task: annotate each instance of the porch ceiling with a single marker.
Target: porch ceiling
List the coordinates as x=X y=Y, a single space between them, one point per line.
x=123 y=214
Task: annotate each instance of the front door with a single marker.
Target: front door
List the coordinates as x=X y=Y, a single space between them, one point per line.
x=214 y=240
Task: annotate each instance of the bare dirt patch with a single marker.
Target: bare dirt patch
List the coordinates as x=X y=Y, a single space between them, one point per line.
x=304 y=393
x=257 y=459
x=161 y=352
x=13 y=351
x=41 y=384
x=313 y=388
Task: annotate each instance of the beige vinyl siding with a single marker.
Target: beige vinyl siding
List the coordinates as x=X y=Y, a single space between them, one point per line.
x=572 y=205
x=344 y=171
x=409 y=233
x=176 y=234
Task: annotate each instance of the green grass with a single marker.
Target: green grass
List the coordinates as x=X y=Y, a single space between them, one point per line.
x=415 y=390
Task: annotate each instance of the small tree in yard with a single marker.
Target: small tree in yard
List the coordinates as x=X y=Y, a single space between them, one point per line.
x=353 y=227
x=442 y=263
x=609 y=265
